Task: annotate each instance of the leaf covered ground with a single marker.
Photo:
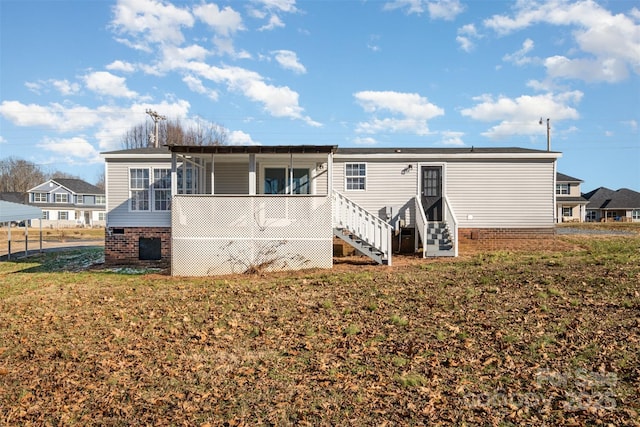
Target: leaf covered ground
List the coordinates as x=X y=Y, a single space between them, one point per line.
x=501 y=338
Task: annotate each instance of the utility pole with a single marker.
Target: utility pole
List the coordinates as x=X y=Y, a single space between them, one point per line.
x=156 y=118
x=548 y=133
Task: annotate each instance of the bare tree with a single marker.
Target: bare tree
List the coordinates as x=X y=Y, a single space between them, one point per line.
x=19 y=175
x=100 y=180
x=173 y=131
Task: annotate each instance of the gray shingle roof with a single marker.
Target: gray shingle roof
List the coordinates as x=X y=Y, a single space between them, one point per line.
x=560 y=177
x=78 y=186
x=14 y=197
x=605 y=198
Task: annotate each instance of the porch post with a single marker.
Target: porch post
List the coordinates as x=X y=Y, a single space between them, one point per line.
x=213 y=191
x=330 y=175
x=174 y=175
x=252 y=174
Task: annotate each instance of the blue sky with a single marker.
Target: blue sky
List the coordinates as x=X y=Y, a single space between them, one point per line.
x=76 y=75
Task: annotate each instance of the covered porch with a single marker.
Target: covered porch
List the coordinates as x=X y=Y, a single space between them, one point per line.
x=237 y=209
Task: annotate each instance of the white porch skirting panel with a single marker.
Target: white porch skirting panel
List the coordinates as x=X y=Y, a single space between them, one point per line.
x=213 y=235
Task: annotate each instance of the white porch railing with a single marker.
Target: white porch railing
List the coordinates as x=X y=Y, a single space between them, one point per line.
x=353 y=218
x=421 y=225
x=450 y=219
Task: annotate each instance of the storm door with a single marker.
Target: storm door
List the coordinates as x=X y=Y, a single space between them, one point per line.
x=432 y=192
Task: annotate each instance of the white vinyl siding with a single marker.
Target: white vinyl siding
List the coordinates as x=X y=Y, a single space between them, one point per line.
x=388 y=184
x=483 y=194
x=501 y=194
x=231 y=178
x=118 y=196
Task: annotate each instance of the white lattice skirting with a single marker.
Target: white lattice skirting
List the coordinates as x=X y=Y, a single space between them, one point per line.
x=214 y=235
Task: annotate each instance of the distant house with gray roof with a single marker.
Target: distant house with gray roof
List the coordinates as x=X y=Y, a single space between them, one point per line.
x=69 y=202
x=613 y=205
x=570 y=205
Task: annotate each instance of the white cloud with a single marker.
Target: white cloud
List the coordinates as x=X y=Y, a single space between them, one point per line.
x=633 y=124
x=279 y=101
x=466 y=36
x=224 y=21
x=105 y=83
x=288 y=6
x=2 y=140
x=519 y=116
x=609 y=44
x=411 y=112
x=195 y=84
x=123 y=66
x=150 y=21
x=74 y=150
x=452 y=138
x=274 y=22
x=289 y=60
x=445 y=9
x=609 y=70
x=438 y=9
x=366 y=140
x=65 y=87
x=54 y=116
x=238 y=137
x=520 y=56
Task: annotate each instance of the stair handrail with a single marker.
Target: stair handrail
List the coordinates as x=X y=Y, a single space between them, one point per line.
x=367 y=226
x=421 y=224
x=450 y=217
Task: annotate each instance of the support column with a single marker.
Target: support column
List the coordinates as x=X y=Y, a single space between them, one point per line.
x=252 y=175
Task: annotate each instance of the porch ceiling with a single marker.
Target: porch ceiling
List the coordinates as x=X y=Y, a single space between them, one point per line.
x=252 y=149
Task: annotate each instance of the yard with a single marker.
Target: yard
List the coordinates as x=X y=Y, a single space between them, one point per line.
x=503 y=338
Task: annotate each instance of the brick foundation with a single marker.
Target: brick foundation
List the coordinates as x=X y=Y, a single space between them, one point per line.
x=478 y=239
x=121 y=245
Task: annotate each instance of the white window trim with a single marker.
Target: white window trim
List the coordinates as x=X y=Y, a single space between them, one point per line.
x=129 y=189
x=39 y=195
x=311 y=167
x=150 y=189
x=55 y=198
x=366 y=175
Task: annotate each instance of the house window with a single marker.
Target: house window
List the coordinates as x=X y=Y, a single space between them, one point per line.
x=355 y=176
x=161 y=189
x=277 y=180
x=101 y=200
x=45 y=214
x=62 y=198
x=187 y=179
x=63 y=215
x=592 y=216
x=80 y=200
x=635 y=214
x=567 y=211
x=40 y=197
x=562 y=188
x=102 y=216
x=139 y=189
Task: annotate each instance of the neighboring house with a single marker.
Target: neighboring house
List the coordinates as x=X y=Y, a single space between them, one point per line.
x=228 y=209
x=609 y=205
x=69 y=202
x=571 y=206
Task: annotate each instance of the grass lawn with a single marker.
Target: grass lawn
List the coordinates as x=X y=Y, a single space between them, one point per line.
x=500 y=338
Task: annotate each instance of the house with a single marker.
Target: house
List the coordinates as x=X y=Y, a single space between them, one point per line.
x=609 y=205
x=69 y=202
x=570 y=205
x=227 y=209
